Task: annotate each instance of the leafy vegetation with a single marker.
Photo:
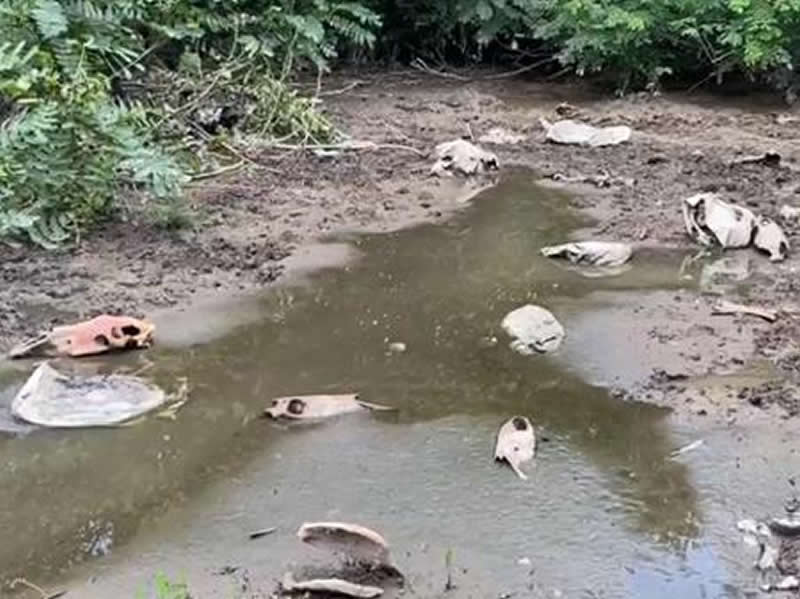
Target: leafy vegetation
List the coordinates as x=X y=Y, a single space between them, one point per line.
x=109 y=104
x=636 y=41
x=75 y=142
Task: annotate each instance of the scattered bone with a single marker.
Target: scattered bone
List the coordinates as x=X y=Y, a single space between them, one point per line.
x=595 y=253
x=686 y=448
x=602 y=180
x=767 y=159
x=397 y=347
x=771 y=239
x=751 y=527
x=354 y=542
x=788 y=527
x=313 y=407
x=789 y=212
x=460 y=156
x=516 y=444
x=768 y=557
x=788 y=583
x=725 y=307
x=100 y=334
x=329 y=585
x=501 y=137
x=710 y=220
x=50 y=398
x=574 y=132
x=533 y=329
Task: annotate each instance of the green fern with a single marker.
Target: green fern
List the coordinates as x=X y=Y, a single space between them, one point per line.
x=68 y=150
x=50 y=19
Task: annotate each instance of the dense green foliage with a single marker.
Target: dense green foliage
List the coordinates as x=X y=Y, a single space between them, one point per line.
x=637 y=41
x=74 y=142
x=99 y=99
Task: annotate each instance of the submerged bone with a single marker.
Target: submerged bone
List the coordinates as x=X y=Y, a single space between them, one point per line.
x=573 y=132
x=709 y=220
x=50 y=398
x=771 y=239
x=516 y=443
x=330 y=585
x=352 y=541
x=533 y=329
x=312 y=407
x=462 y=157
x=98 y=335
x=595 y=253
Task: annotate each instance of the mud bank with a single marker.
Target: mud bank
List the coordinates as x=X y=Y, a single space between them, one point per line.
x=250 y=222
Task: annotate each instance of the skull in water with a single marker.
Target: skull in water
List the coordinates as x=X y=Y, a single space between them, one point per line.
x=312 y=407
x=516 y=443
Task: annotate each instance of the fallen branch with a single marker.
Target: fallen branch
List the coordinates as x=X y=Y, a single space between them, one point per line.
x=518 y=71
x=420 y=65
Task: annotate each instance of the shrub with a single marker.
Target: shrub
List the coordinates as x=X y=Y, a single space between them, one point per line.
x=70 y=149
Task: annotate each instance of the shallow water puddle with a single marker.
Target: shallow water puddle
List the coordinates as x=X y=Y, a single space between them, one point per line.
x=605 y=513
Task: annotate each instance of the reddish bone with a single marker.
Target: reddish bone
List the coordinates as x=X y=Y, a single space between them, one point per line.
x=98 y=335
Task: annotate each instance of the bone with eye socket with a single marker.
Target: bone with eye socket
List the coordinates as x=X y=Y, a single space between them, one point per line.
x=516 y=444
x=315 y=407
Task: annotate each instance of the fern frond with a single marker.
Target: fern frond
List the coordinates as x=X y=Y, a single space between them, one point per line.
x=15 y=58
x=50 y=19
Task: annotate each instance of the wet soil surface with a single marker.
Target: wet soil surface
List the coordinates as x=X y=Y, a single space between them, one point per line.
x=611 y=509
x=251 y=221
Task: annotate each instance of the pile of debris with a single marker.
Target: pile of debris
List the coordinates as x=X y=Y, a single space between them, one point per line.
x=778 y=545
x=711 y=221
x=56 y=396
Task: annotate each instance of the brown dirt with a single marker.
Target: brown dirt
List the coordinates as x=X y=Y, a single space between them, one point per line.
x=252 y=220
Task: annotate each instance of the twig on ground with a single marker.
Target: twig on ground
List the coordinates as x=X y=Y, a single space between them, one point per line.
x=518 y=71
x=36 y=588
x=560 y=73
x=220 y=171
x=341 y=90
x=231 y=149
x=257 y=534
x=701 y=82
x=350 y=145
x=420 y=65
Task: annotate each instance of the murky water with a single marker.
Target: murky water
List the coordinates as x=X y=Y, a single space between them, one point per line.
x=605 y=513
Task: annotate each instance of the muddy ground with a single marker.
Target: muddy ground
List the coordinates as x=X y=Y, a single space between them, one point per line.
x=249 y=222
